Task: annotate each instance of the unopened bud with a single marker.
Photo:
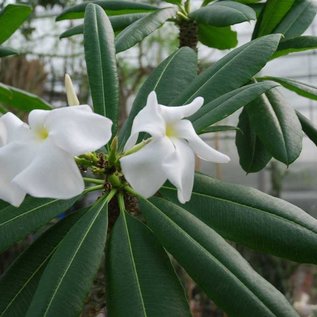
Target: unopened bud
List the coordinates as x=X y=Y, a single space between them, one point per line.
x=70 y=92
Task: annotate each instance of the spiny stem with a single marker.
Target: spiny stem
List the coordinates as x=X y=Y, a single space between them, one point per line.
x=93 y=180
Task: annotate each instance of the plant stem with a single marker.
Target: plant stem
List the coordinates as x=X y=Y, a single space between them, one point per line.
x=93 y=188
x=93 y=180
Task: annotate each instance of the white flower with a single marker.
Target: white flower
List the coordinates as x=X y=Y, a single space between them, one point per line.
x=171 y=152
x=37 y=159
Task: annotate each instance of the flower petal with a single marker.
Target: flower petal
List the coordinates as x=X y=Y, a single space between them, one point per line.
x=77 y=130
x=184 y=129
x=147 y=120
x=171 y=114
x=37 y=118
x=10 y=126
x=179 y=168
x=143 y=169
x=14 y=158
x=53 y=173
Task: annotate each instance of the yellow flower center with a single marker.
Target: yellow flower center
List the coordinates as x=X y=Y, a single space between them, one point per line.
x=42 y=133
x=169 y=131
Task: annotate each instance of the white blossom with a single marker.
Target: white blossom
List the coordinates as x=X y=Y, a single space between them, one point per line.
x=38 y=159
x=171 y=152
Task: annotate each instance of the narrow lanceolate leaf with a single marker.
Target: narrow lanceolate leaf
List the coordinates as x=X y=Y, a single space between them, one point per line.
x=224 y=13
x=21 y=100
x=101 y=63
x=217 y=37
x=302 y=89
x=277 y=126
x=6 y=51
x=252 y=218
x=244 y=62
x=19 y=282
x=252 y=153
x=118 y=23
x=308 y=127
x=11 y=17
x=140 y=29
x=72 y=267
x=298 y=19
x=168 y=80
x=297 y=44
x=216 y=267
x=140 y=278
x=111 y=8
x=227 y=104
x=272 y=14
x=16 y=223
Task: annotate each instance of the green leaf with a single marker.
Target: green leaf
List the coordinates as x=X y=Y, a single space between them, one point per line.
x=308 y=127
x=177 y=2
x=70 y=273
x=220 y=128
x=277 y=126
x=217 y=37
x=16 y=223
x=138 y=271
x=101 y=63
x=140 y=29
x=302 y=89
x=252 y=153
x=6 y=51
x=111 y=7
x=215 y=266
x=19 y=282
x=297 y=44
x=224 y=13
x=11 y=17
x=168 y=80
x=252 y=218
x=273 y=13
x=118 y=23
x=227 y=104
x=21 y=100
x=298 y=19
x=239 y=65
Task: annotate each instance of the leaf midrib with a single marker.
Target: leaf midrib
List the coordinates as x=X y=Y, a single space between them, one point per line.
x=215 y=259
x=255 y=209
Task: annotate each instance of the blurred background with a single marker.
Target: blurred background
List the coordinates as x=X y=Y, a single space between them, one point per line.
x=45 y=58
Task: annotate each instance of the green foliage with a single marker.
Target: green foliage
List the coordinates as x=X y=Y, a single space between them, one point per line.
x=277 y=126
x=244 y=62
x=224 y=13
x=16 y=223
x=139 y=272
x=188 y=238
x=217 y=37
x=101 y=63
x=118 y=24
x=308 y=127
x=252 y=153
x=11 y=17
x=137 y=31
x=18 y=284
x=21 y=100
x=252 y=218
x=227 y=104
x=296 y=44
x=111 y=7
x=6 y=51
x=302 y=89
x=73 y=266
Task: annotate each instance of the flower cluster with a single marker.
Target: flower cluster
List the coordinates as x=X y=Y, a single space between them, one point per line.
x=38 y=158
